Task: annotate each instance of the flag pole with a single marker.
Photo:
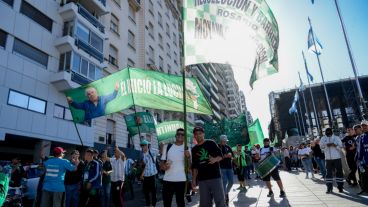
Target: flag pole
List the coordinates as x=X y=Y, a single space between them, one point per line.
x=323 y=79
x=135 y=110
x=299 y=125
x=361 y=98
x=296 y=124
x=312 y=97
x=305 y=105
x=301 y=116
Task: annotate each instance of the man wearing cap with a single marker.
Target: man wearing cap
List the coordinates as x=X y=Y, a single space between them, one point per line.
x=173 y=163
x=362 y=157
x=148 y=174
x=53 y=184
x=332 y=145
x=350 y=148
x=264 y=152
x=206 y=156
x=73 y=181
x=92 y=181
x=226 y=166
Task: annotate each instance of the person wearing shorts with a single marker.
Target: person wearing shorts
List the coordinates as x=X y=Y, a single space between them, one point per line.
x=264 y=152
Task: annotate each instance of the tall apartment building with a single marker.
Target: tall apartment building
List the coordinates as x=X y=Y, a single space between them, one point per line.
x=49 y=46
x=234 y=97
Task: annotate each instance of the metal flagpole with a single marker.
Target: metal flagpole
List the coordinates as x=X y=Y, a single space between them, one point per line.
x=135 y=110
x=323 y=79
x=296 y=124
x=301 y=116
x=310 y=124
x=361 y=98
x=299 y=125
x=312 y=97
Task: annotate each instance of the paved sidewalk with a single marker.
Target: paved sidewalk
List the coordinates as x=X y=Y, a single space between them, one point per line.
x=299 y=192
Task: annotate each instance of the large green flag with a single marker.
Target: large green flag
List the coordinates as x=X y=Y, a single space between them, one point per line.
x=166 y=130
x=142 y=122
x=255 y=133
x=141 y=87
x=238 y=32
x=235 y=129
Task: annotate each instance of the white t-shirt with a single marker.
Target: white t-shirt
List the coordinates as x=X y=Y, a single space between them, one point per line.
x=118 y=169
x=265 y=151
x=286 y=153
x=176 y=155
x=304 y=151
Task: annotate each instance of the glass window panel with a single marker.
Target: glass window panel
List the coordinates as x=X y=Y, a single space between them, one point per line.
x=62 y=62
x=67 y=60
x=76 y=62
x=37 y=16
x=98 y=73
x=84 y=67
x=59 y=111
x=37 y=105
x=96 y=42
x=82 y=33
x=68 y=115
x=18 y=99
x=91 y=73
x=2 y=38
x=30 y=52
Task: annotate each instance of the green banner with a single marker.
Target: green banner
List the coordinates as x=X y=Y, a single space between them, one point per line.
x=255 y=133
x=236 y=32
x=144 y=88
x=166 y=131
x=142 y=122
x=235 y=129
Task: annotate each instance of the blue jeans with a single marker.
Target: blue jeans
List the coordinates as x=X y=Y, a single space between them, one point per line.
x=321 y=164
x=307 y=164
x=72 y=195
x=227 y=178
x=247 y=170
x=105 y=195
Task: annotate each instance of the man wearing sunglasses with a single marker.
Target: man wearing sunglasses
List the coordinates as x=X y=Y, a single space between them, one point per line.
x=173 y=163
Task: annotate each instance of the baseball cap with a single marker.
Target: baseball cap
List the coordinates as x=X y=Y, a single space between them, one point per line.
x=198 y=128
x=58 y=150
x=357 y=126
x=364 y=122
x=224 y=137
x=90 y=150
x=145 y=142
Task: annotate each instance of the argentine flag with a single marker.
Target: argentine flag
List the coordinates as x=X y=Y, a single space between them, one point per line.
x=311 y=43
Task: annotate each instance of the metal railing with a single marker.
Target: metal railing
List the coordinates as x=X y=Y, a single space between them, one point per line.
x=92 y=19
x=89 y=49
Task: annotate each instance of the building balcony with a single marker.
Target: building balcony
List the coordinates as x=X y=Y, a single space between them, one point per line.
x=217 y=115
x=214 y=94
x=214 y=103
x=89 y=49
x=63 y=80
x=97 y=6
x=135 y=4
x=72 y=10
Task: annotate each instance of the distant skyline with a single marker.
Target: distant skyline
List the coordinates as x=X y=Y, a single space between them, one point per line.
x=292 y=17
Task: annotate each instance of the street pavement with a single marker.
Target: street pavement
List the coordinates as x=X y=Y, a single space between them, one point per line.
x=299 y=192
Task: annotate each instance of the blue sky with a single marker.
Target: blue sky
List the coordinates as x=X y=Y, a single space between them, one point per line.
x=292 y=18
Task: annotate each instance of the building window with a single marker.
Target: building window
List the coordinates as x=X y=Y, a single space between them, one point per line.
x=151 y=30
x=131 y=63
x=131 y=14
x=161 y=63
x=168 y=68
x=160 y=19
x=167 y=30
x=168 y=50
x=113 y=56
x=87 y=36
x=79 y=65
x=117 y=2
x=110 y=128
x=160 y=41
x=26 y=102
x=151 y=54
x=174 y=39
x=3 y=36
x=37 y=16
x=62 y=112
x=150 y=7
x=114 y=24
x=30 y=52
x=131 y=39
x=9 y=2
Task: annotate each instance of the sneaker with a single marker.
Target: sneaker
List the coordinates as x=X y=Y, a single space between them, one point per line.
x=240 y=187
x=282 y=194
x=270 y=194
x=329 y=191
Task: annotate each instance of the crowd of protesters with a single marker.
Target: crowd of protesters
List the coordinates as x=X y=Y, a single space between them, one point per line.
x=207 y=168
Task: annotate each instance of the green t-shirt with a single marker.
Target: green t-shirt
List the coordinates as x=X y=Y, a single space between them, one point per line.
x=240 y=159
